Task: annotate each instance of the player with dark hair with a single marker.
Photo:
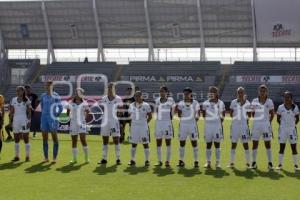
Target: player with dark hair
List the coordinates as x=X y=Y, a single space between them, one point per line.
x=164 y=107
x=140 y=114
x=213 y=111
x=20 y=117
x=188 y=111
x=111 y=104
x=240 y=112
x=51 y=108
x=263 y=114
x=288 y=118
x=77 y=110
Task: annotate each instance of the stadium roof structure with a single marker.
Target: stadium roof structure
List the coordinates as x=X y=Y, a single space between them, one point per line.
x=149 y=24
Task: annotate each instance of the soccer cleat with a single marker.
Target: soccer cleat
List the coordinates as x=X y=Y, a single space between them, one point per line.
x=16 y=159
x=131 y=163
x=102 y=162
x=231 y=165
x=279 y=167
x=218 y=165
x=53 y=161
x=147 y=163
x=34 y=135
x=118 y=162
x=207 y=165
x=180 y=163
x=27 y=159
x=248 y=166
x=45 y=160
x=196 y=164
x=296 y=167
x=74 y=161
x=254 y=165
x=159 y=164
x=167 y=164
x=270 y=166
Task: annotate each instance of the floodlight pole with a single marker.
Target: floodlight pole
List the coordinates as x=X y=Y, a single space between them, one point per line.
x=50 y=51
x=254 y=36
x=151 y=56
x=3 y=51
x=100 y=51
x=202 y=40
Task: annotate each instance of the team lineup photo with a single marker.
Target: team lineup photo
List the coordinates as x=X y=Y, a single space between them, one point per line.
x=149 y=99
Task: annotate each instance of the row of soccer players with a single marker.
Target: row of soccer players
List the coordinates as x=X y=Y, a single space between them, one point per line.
x=213 y=110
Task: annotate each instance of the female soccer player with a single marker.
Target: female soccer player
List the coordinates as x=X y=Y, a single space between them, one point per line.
x=240 y=112
x=164 y=127
x=51 y=108
x=213 y=111
x=2 y=115
x=140 y=114
x=77 y=110
x=288 y=118
x=188 y=111
x=20 y=116
x=263 y=114
x=111 y=104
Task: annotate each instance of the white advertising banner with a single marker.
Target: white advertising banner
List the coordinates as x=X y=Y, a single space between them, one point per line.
x=267 y=79
x=277 y=21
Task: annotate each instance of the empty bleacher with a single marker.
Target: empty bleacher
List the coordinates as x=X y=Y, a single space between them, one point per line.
x=202 y=73
x=266 y=69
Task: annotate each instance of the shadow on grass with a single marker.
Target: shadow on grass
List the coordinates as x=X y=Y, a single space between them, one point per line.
x=189 y=172
x=247 y=173
x=292 y=174
x=273 y=175
x=103 y=169
x=133 y=170
x=10 y=165
x=40 y=167
x=217 y=173
x=70 y=167
x=159 y=171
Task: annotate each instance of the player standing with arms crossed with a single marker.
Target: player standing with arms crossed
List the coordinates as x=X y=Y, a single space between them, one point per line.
x=51 y=108
x=20 y=117
x=213 y=111
x=188 y=111
x=140 y=114
x=240 y=112
x=111 y=104
x=163 y=126
x=77 y=110
x=263 y=114
x=288 y=118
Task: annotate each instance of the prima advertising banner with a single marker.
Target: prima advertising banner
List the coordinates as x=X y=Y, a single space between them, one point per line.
x=277 y=21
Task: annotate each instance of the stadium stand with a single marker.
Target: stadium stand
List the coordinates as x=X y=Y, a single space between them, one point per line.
x=252 y=74
x=149 y=76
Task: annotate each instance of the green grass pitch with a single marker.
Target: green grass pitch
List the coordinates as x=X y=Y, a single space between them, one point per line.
x=35 y=181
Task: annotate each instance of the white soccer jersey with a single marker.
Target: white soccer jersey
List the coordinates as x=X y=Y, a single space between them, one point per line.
x=213 y=111
x=262 y=111
x=189 y=111
x=111 y=107
x=77 y=111
x=20 y=108
x=139 y=114
x=287 y=116
x=240 y=115
x=164 y=109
